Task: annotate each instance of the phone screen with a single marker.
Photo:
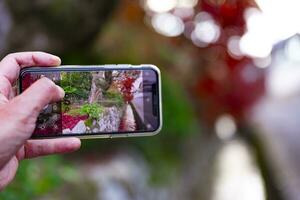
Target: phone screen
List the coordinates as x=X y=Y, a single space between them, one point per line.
x=98 y=102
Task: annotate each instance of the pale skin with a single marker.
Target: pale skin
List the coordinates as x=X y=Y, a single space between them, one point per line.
x=18 y=114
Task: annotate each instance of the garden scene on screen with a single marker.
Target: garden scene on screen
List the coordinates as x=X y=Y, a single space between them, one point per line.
x=94 y=102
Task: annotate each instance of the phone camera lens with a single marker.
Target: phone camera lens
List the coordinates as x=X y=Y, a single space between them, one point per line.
x=149 y=126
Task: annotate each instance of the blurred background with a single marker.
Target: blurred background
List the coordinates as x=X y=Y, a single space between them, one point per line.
x=231 y=91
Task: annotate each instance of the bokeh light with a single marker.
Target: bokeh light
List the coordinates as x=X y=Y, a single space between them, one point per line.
x=184 y=13
x=168 y=5
x=238 y=177
x=292 y=49
x=168 y=24
x=186 y=3
x=262 y=62
x=206 y=30
x=233 y=46
x=283 y=78
x=161 y=6
x=274 y=22
x=225 y=127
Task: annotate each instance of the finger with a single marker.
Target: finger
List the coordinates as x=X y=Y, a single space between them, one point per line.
x=5 y=86
x=11 y=64
x=9 y=92
x=8 y=172
x=13 y=92
x=36 y=148
x=36 y=97
x=3 y=99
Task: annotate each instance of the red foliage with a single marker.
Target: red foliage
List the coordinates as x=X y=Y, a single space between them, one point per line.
x=234 y=94
x=229 y=13
x=70 y=122
x=27 y=80
x=126 y=88
x=240 y=84
x=48 y=130
x=122 y=125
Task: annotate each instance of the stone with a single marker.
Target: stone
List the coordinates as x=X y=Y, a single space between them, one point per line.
x=95 y=130
x=110 y=120
x=67 y=131
x=80 y=127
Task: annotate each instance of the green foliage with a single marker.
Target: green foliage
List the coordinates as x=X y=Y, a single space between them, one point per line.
x=115 y=96
x=65 y=108
x=178 y=115
x=74 y=112
x=89 y=122
x=35 y=178
x=69 y=89
x=77 y=84
x=92 y=110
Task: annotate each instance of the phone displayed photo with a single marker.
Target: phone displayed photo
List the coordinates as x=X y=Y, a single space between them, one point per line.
x=100 y=101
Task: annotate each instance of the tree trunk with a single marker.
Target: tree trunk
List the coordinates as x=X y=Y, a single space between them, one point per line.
x=96 y=91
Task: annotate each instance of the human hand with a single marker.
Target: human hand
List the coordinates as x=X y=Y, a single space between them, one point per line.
x=18 y=114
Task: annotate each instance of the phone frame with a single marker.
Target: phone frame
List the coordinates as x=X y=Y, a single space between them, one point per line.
x=86 y=68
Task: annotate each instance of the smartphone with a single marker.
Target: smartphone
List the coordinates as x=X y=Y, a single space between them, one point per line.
x=100 y=101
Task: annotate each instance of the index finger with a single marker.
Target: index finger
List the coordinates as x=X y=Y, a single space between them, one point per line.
x=11 y=64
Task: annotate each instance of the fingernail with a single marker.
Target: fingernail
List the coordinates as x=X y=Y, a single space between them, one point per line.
x=56 y=60
x=74 y=144
x=61 y=92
